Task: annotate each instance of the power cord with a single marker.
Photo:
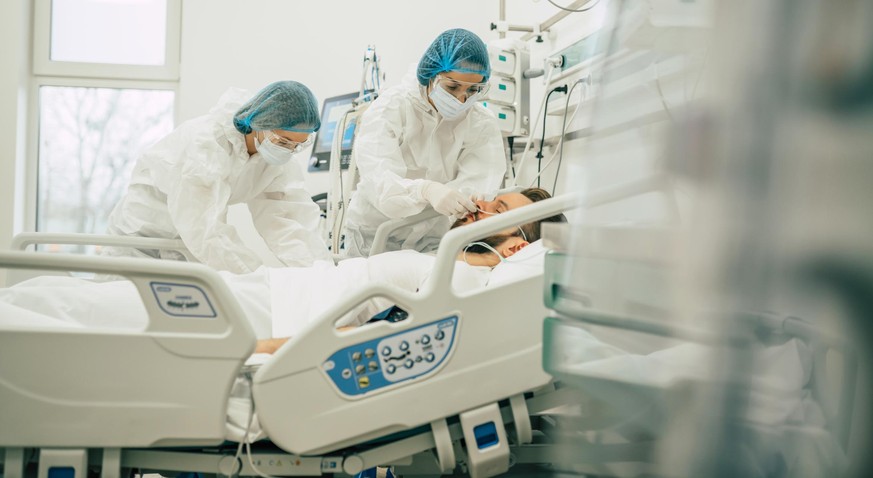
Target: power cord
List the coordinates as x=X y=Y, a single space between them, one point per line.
x=587 y=81
x=533 y=129
x=561 y=89
x=511 y=141
x=560 y=147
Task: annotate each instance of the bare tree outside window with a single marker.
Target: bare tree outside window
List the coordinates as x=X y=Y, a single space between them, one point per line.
x=89 y=141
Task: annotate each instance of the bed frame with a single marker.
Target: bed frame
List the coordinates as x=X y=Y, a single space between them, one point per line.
x=132 y=413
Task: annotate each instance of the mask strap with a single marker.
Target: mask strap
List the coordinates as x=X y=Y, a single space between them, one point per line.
x=486 y=246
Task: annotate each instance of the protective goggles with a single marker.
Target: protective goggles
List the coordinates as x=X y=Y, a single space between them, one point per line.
x=286 y=143
x=458 y=87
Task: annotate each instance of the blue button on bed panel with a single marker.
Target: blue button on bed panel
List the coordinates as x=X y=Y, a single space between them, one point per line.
x=486 y=435
x=62 y=472
x=501 y=87
x=403 y=356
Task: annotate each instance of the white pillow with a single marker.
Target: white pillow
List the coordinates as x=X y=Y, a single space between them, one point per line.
x=527 y=262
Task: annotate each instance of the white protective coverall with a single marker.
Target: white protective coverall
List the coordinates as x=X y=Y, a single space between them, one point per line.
x=182 y=186
x=402 y=142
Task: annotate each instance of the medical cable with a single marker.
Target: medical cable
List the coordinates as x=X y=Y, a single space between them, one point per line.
x=587 y=81
x=560 y=147
x=562 y=89
x=584 y=8
x=533 y=131
x=511 y=141
x=486 y=246
x=245 y=439
x=503 y=260
x=235 y=473
x=252 y=464
x=336 y=227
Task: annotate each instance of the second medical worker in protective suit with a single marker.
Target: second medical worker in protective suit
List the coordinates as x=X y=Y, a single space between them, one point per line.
x=426 y=142
x=238 y=153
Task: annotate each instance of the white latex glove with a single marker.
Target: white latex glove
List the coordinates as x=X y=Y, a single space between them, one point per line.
x=446 y=200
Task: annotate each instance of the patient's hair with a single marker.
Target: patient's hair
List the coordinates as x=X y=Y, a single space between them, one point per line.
x=533 y=230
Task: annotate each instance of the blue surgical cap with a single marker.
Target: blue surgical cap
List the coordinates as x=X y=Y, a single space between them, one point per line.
x=285 y=105
x=454 y=50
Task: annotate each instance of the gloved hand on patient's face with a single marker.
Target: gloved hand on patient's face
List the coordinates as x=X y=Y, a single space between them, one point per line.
x=446 y=200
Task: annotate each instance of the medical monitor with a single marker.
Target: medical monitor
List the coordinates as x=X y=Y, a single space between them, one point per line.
x=332 y=112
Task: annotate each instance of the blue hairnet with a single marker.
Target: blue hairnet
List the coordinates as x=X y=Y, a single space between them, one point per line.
x=285 y=105
x=454 y=50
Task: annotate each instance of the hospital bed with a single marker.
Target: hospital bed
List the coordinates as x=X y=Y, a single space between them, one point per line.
x=323 y=414
x=160 y=403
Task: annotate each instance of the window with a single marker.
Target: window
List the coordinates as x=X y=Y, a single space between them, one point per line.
x=105 y=82
x=88 y=141
x=122 y=39
x=119 y=32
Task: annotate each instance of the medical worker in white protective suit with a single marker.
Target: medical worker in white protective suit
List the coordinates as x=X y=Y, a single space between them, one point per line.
x=241 y=152
x=426 y=142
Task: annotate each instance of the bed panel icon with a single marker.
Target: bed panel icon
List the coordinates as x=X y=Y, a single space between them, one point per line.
x=182 y=300
x=379 y=363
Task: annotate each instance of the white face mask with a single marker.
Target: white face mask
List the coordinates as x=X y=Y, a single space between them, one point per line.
x=450 y=107
x=272 y=153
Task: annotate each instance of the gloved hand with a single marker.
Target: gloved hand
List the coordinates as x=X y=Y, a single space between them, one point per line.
x=446 y=200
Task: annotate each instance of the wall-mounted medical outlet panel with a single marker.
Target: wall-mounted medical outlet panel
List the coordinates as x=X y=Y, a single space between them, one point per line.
x=509 y=95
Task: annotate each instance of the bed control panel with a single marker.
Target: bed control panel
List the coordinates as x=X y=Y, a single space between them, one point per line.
x=381 y=362
x=182 y=300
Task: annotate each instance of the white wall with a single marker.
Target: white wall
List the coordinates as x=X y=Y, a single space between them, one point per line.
x=318 y=43
x=250 y=44
x=14 y=78
x=594 y=165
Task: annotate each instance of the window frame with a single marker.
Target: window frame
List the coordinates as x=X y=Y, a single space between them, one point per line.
x=46 y=72
x=43 y=65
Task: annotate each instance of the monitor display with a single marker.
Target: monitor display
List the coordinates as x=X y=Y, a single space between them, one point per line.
x=332 y=111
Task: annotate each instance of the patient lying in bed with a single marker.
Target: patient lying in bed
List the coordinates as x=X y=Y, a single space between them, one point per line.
x=279 y=302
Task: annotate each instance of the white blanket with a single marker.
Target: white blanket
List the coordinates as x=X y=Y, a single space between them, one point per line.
x=300 y=296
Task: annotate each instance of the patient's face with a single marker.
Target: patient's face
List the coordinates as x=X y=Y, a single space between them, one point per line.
x=500 y=204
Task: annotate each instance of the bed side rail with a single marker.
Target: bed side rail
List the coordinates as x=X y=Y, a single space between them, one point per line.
x=457 y=238
x=228 y=323
x=163 y=384
x=25 y=239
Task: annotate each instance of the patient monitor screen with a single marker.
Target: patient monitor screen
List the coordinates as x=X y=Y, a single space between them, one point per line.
x=332 y=113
